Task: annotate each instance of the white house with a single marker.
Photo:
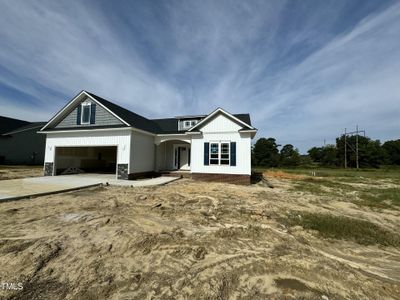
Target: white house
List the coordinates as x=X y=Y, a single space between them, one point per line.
x=96 y=135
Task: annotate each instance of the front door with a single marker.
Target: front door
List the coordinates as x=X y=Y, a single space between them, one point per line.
x=181 y=157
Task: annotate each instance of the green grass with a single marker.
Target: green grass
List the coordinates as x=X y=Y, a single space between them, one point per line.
x=320 y=187
x=360 y=231
x=380 y=198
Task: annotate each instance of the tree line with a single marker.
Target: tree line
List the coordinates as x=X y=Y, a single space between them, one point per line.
x=371 y=153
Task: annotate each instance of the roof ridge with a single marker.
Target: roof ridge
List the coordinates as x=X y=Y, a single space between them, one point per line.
x=153 y=127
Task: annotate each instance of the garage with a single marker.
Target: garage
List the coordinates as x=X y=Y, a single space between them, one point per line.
x=71 y=160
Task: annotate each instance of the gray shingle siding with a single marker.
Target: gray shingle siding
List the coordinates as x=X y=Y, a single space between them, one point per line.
x=103 y=118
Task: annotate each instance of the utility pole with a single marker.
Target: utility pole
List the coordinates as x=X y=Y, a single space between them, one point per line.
x=356 y=133
x=357 y=146
x=345 y=149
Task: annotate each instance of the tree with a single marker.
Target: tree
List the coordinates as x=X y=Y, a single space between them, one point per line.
x=289 y=156
x=370 y=153
x=316 y=153
x=266 y=153
x=391 y=152
x=326 y=156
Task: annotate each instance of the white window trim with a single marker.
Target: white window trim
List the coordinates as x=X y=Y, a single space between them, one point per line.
x=90 y=112
x=219 y=153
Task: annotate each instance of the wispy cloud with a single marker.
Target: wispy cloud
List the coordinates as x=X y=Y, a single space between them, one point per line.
x=303 y=70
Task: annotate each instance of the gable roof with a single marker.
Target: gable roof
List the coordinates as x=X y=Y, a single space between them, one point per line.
x=235 y=118
x=8 y=124
x=30 y=126
x=131 y=119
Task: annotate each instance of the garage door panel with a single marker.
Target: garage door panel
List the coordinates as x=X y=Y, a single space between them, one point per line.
x=87 y=159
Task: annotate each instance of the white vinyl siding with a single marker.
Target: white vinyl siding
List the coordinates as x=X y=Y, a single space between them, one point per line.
x=119 y=138
x=142 y=153
x=222 y=129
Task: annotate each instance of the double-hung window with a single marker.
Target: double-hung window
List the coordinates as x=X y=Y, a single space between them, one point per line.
x=85 y=115
x=219 y=153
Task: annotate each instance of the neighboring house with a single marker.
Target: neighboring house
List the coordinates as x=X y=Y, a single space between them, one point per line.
x=20 y=143
x=95 y=135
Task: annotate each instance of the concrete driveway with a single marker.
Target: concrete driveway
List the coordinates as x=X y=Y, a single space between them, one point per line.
x=37 y=186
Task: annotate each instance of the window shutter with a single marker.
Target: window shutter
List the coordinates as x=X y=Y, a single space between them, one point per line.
x=92 y=113
x=78 y=115
x=206 y=154
x=233 y=153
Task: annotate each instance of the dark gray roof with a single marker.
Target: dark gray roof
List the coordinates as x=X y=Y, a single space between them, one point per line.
x=9 y=124
x=131 y=118
x=165 y=125
x=33 y=125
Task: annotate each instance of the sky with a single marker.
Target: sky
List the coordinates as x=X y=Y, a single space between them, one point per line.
x=304 y=70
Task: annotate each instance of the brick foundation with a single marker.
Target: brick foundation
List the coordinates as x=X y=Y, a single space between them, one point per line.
x=140 y=175
x=227 y=178
x=48 y=169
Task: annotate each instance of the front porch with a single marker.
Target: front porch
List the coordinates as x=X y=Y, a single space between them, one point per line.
x=173 y=155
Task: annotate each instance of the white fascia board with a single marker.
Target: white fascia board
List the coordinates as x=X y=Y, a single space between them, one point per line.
x=119 y=118
x=224 y=112
x=99 y=129
x=86 y=130
x=168 y=134
x=63 y=109
x=73 y=101
x=142 y=131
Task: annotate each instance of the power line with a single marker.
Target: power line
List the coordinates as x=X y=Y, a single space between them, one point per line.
x=356 y=133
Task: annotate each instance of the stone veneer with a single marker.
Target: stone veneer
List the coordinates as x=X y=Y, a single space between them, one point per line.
x=48 y=169
x=122 y=171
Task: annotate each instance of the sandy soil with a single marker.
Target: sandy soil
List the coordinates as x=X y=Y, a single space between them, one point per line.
x=15 y=172
x=188 y=240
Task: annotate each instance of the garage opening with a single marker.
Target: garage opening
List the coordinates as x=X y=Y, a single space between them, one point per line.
x=72 y=160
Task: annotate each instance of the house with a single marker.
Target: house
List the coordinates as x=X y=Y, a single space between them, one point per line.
x=95 y=135
x=20 y=143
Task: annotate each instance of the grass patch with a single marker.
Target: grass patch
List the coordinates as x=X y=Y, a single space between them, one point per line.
x=321 y=186
x=380 y=198
x=360 y=231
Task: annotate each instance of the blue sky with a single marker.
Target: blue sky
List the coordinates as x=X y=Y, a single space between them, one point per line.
x=304 y=70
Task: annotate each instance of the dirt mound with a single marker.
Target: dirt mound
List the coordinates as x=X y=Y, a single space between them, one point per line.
x=189 y=240
x=284 y=175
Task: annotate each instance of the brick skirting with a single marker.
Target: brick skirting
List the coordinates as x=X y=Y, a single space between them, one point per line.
x=140 y=175
x=228 y=178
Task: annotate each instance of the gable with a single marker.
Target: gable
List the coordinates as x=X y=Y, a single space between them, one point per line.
x=220 y=123
x=102 y=117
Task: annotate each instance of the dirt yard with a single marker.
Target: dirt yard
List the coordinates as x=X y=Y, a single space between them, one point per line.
x=15 y=172
x=306 y=238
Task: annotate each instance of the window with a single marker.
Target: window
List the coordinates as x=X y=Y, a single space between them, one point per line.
x=220 y=153
x=214 y=154
x=189 y=123
x=224 y=154
x=85 y=113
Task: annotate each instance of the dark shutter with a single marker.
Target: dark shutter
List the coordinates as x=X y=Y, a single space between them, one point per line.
x=233 y=153
x=78 y=115
x=206 y=154
x=93 y=113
